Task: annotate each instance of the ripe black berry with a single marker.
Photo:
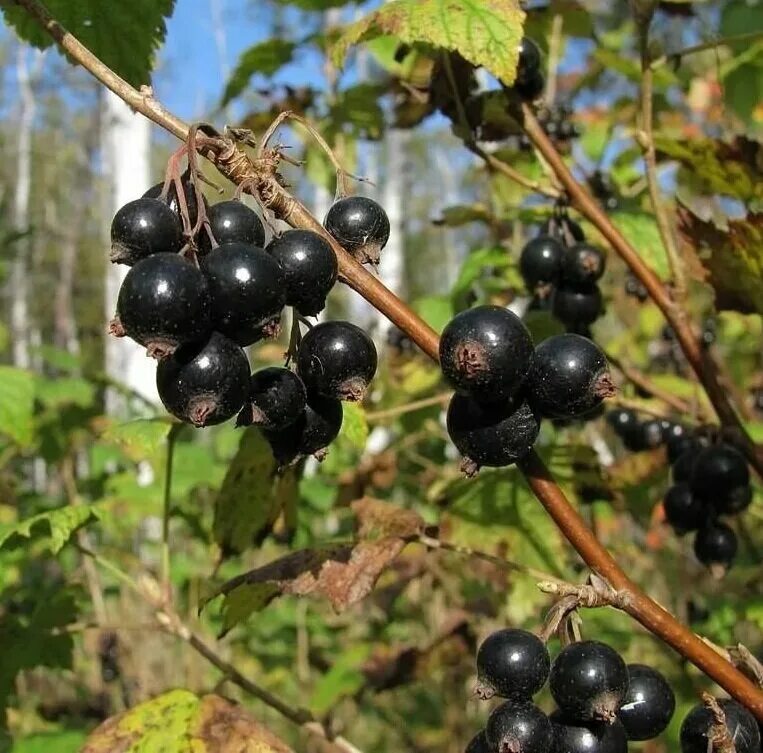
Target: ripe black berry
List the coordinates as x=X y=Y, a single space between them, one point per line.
x=678 y=445
x=492 y=435
x=512 y=664
x=683 y=466
x=204 y=384
x=486 y=352
x=733 y=501
x=309 y=269
x=583 y=264
x=276 y=399
x=651 y=433
x=338 y=360
x=541 y=262
x=163 y=303
x=589 y=681
x=529 y=61
x=574 y=736
x=635 y=288
x=623 y=421
x=717 y=470
x=569 y=376
x=310 y=434
x=532 y=87
x=232 y=222
x=565 y=229
x=478 y=744
x=518 y=728
x=144 y=227
x=246 y=285
x=649 y=704
x=716 y=547
x=577 y=306
x=697 y=729
x=683 y=510
x=360 y=225
x=172 y=198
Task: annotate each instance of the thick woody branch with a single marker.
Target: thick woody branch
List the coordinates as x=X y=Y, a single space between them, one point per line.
x=263 y=183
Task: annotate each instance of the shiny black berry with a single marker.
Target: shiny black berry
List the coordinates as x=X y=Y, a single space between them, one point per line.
x=337 y=360
x=529 y=61
x=578 y=305
x=718 y=469
x=583 y=264
x=247 y=289
x=492 y=435
x=309 y=268
x=163 y=303
x=684 y=465
x=531 y=87
x=649 y=704
x=575 y=736
x=478 y=744
x=678 y=445
x=569 y=377
x=276 y=399
x=651 y=433
x=697 y=729
x=360 y=226
x=518 y=727
x=189 y=193
x=144 y=227
x=310 y=434
x=623 y=421
x=204 y=384
x=486 y=353
x=232 y=222
x=734 y=501
x=683 y=510
x=589 y=681
x=513 y=664
x=541 y=262
x=716 y=547
x=565 y=229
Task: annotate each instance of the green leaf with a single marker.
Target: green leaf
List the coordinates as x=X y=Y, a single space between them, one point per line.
x=124 y=35
x=487 y=33
x=17 y=404
x=53 y=528
x=436 y=310
x=475 y=264
x=251 y=497
x=359 y=106
x=60 y=391
x=642 y=232
x=265 y=58
x=65 y=741
x=343 y=679
x=354 y=425
x=141 y=439
x=317 y=5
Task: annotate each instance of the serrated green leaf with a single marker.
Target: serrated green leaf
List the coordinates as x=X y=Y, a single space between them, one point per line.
x=487 y=33
x=17 y=404
x=354 y=425
x=141 y=439
x=54 y=528
x=265 y=58
x=125 y=36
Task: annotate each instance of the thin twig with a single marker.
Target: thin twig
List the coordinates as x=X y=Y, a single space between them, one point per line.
x=676 y=57
x=166 y=507
x=402 y=410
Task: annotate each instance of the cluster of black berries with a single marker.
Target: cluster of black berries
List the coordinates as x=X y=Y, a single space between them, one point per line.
x=558 y=126
x=639 y=434
x=505 y=386
x=634 y=288
x=196 y=302
x=559 y=268
x=602 y=702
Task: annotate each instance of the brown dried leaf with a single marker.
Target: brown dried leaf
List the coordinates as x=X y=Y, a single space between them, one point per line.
x=378 y=519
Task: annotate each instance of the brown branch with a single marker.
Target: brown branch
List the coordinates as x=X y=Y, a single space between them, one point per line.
x=697 y=356
x=236 y=165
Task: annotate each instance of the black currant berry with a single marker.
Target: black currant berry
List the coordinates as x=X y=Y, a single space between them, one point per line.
x=529 y=61
x=575 y=736
x=565 y=229
x=697 y=729
x=678 y=445
x=635 y=288
x=189 y=193
x=583 y=264
x=531 y=88
x=734 y=501
x=651 y=433
x=360 y=225
x=486 y=352
x=513 y=664
x=649 y=704
x=478 y=744
x=309 y=267
x=247 y=289
x=683 y=466
x=717 y=470
x=493 y=435
x=683 y=510
x=569 y=377
x=232 y=222
x=338 y=360
x=518 y=727
x=716 y=547
x=541 y=262
x=163 y=303
x=144 y=227
x=204 y=384
x=310 y=434
x=276 y=399
x=578 y=305
x=589 y=681
x=623 y=421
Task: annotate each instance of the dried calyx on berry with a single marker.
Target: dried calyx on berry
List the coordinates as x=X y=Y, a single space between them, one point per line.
x=276 y=399
x=519 y=727
x=702 y=729
x=360 y=226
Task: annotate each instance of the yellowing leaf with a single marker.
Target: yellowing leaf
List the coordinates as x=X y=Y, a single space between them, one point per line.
x=485 y=32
